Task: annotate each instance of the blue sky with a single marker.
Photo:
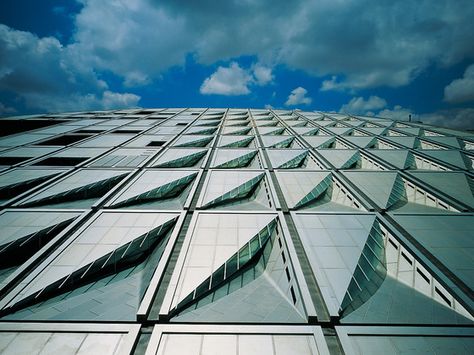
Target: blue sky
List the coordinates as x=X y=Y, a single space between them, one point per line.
x=383 y=58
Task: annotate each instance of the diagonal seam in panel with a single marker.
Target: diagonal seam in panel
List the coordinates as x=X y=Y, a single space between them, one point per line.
x=271 y=124
x=283 y=144
x=369 y=274
x=240 y=124
x=169 y=190
x=397 y=193
x=317 y=192
x=92 y=190
x=203 y=131
x=302 y=124
x=238 y=193
x=275 y=132
x=372 y=270
x=352 y=162
x=296 y=162
x=468 y=162
x=19 y=250
x=239 y=132
x=15 y=189
x=202 y=142
x=239 y=144
x=410 y=162
x=96 y=189
x=312 y=132
x=183 y=162
x=248 y=256
x=239 y=162
x=126 y=255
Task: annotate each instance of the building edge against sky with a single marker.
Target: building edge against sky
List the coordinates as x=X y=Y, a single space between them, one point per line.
x=196 y=231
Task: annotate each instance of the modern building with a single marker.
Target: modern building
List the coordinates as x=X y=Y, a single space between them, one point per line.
x=234 y=231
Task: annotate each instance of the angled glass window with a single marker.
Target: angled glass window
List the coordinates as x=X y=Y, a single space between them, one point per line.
x=106 y=140
x=200 y=130
x=236 y=158
x=180 y=158
x=23 y=154
x=149 y=140
x=193 y=141
x=292 y=159
x=164 y=189
x=113 y=258
x=244 y=269
x=17 y=181
x=236 y=141
x=79 y=189
x=279 y=141
x=24 y=233
x=124 y=158
x=316 y=191
x=269 y=131
x=70 y=157
x=236 y=190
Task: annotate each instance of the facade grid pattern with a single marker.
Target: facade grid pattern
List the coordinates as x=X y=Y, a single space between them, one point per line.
x=240 y=231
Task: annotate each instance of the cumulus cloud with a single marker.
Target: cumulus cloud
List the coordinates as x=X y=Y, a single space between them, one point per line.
x=82 y=101
x=298 y=97
x=387 y=43
x=232 y=80
x=332 y=84
x=461 y=90
x=45 y=75
x=133 y=39
x=397 y=113
x=454 y=118
x=461 y=118
x=376 y=106
x=114 y=99
x=263 y=75
x=359 y=105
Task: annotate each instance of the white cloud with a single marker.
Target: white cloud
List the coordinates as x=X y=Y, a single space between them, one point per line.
x=114 y=99
x=397 y=113
x=269 y=107
x=79 y=101
x=297 y=97
x=461 y=90
x=235 y=80
x=376 y=106
x=232 y=80
x=358 y=105
x=5 y=110
x=263 y=75
x=331 y=84
x=387 y=43
x=454 y=118
x=136 y=78
x=134 y=39
x=44 y=75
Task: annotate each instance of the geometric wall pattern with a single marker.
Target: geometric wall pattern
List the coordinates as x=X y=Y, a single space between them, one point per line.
x=198 y=231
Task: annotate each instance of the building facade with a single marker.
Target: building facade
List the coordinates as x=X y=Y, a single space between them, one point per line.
x=234 y=231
